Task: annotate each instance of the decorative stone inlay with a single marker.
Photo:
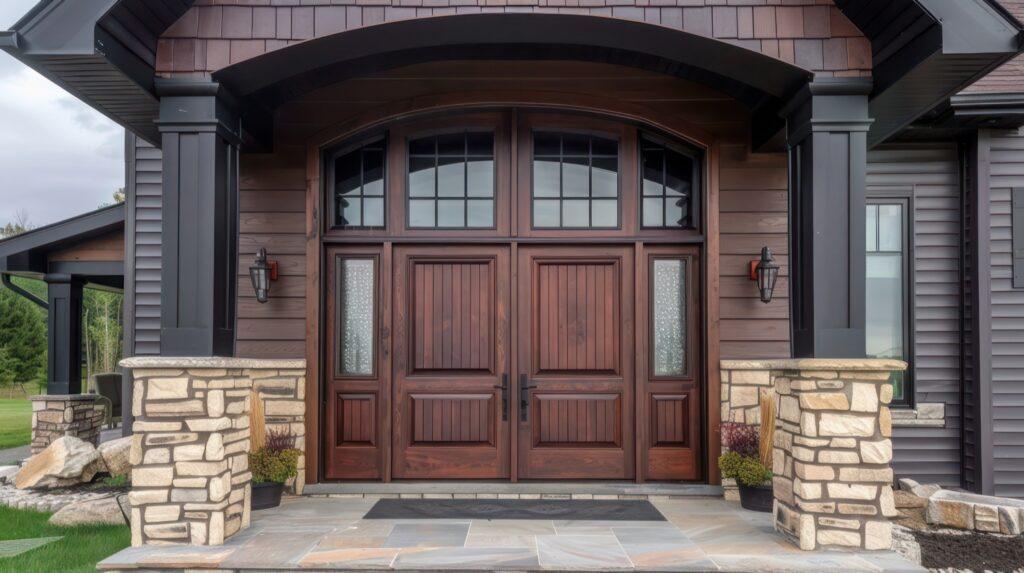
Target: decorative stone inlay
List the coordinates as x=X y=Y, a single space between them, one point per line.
x=190 y=476
x=54 y=416
x=833 y=480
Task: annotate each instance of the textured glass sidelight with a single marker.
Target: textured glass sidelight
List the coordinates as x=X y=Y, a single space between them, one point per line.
x=669 y=320
x=357 y=290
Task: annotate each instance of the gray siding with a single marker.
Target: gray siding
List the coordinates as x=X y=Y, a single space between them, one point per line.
x=929 y=174
x=1007 y=172
x=144 y=184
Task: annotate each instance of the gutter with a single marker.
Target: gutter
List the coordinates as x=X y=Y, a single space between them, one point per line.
x=5 y=279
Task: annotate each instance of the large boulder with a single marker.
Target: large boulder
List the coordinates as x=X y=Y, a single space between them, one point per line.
x=66 y=462
x=115 y=456
x=102 y=511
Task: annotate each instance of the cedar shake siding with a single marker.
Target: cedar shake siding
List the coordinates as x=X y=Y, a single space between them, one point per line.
x=1007 y=172
x=214 y=34
x=142 y=271
x=753 y=189
x=930 y=175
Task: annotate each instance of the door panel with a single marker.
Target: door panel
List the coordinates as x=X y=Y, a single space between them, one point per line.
x=575 y=362
x=451 y=335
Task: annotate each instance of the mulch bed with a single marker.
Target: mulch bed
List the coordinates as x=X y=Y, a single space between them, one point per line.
x=975 y=551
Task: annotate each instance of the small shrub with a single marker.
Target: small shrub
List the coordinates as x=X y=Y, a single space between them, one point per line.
x=741 y=439
x=116 y=481
x=273 y=466
x=746 y=470
x=279 y=441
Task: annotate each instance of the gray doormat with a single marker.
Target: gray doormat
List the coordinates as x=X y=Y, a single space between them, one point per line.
x=560 y=509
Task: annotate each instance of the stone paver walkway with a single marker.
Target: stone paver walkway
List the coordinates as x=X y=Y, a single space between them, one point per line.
x=329 y=534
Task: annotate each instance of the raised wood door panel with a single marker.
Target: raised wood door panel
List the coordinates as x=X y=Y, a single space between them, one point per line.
x=357 y=377
x=669 y=367
x=450 y=362
x=575 y=362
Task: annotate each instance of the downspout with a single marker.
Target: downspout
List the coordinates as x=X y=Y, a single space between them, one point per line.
x=5 y=279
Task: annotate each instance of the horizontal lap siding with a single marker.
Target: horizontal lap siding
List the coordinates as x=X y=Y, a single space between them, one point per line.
x=146 y=186
x=930 y=455
x=753 y=213
x=1007 y=172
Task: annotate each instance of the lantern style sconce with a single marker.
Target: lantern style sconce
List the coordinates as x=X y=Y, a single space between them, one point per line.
x=261 y=273
x=765 y=271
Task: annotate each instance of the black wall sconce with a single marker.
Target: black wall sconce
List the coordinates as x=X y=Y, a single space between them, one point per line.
x=261 y=273
x=765 y=271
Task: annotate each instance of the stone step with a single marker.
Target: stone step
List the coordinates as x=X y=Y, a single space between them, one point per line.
x=523 y=490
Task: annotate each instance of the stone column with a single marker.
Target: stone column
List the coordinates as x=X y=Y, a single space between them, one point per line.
x=190 y=465
x=833 y=452
x=55 y=416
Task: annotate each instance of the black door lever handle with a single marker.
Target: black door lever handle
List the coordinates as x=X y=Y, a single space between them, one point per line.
x=504 y=397
x=524 y=397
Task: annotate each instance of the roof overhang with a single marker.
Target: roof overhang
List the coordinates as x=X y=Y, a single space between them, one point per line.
x=28 y=254
x=927 y=51
x=101 y=51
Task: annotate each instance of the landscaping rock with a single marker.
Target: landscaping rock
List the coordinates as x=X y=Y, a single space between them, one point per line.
x=102 y=511
x=904 y=500
x=7 y=473
x=115 y=456
x=962 y=510
x=925 y=491
x=66 y=462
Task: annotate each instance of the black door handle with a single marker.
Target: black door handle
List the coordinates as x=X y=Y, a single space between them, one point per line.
x=524 y=397
x=504 y=397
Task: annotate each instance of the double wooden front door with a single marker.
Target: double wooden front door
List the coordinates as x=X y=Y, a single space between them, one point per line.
x=501 y=361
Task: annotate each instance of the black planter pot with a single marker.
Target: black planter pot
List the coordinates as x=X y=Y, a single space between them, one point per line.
x=266 y=495
x=757 y=498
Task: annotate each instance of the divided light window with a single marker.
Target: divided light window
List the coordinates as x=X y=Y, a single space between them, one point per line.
x=888 y=288
x=451 y=181
x=358 y=177
x=671 y=181
x=575 y=181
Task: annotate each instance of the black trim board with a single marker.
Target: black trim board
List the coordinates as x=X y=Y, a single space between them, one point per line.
x=26 y=253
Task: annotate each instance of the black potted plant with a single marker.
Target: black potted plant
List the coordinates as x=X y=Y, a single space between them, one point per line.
x=273 y=461
x=749 y=458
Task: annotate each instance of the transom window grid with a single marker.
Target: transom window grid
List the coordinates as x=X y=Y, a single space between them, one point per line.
x=359 y=186
x=451 y=181
x=669 y=186
x=575 y=182
x=889 y=312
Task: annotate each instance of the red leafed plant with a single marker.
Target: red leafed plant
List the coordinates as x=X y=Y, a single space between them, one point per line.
x=741 y=438
x=280 y=440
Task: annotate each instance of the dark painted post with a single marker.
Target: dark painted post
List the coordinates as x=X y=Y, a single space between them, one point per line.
x=64 y=334
x=200 y=130
x=826 y=128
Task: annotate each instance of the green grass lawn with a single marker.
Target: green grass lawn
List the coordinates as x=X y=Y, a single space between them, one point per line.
x=15 y=422
x=79 y=551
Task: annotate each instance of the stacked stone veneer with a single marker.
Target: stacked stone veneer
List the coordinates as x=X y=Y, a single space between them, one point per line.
x=78 y=415
x=833 y=452
x=190 y=468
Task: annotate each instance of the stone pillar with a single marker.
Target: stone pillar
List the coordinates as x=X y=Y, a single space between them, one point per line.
x=833 y=453
x=55 y=416
x=190 y=466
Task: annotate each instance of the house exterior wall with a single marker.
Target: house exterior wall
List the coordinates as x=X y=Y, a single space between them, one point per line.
x=1007 y=330
x=926 y=448
x=812 y=34
x=142 y=269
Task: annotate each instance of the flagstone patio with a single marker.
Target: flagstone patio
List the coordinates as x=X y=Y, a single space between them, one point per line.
x=700 y=534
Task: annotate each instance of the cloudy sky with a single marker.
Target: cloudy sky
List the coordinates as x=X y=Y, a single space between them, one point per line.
x=58 y=157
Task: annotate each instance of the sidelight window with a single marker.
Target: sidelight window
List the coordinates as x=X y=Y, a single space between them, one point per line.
x=356 y=316
x=358 y=177
x=451 y=181
x=670 y=183
x=575 y=181
x=888 y=288
x=668 y=323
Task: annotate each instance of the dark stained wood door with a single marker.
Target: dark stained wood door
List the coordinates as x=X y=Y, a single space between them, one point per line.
x=575 y=364
x=451 y=415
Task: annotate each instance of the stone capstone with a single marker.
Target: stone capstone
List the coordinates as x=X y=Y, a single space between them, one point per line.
x=116 y=456
x=102 y=511
x=67 y=461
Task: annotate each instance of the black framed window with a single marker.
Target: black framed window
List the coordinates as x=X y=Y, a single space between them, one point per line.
x=451 y=181
x=575 y=181
x=888 y=300
x=670 y=183
x=357 y=177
